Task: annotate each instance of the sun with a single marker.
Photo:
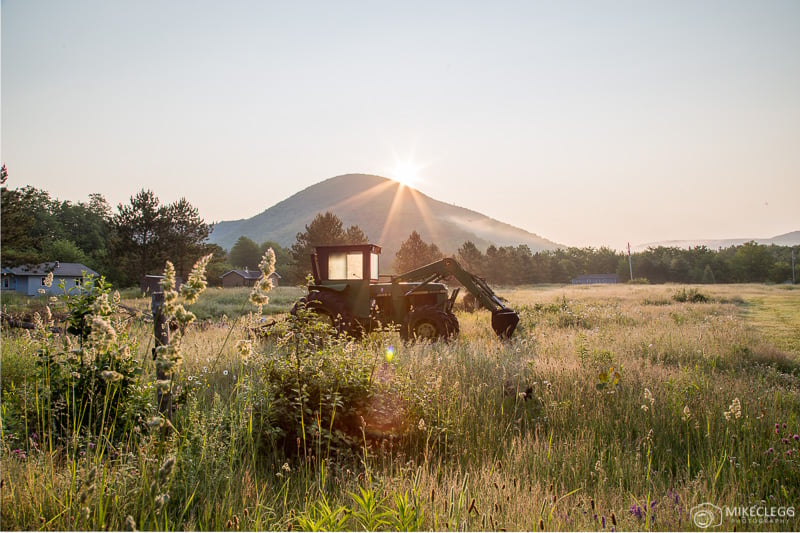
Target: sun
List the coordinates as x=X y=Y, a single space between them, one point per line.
x=405 y=173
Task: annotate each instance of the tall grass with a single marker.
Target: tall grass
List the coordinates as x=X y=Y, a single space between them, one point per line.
x=612 y=407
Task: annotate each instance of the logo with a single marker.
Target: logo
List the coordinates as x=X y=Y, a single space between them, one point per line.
x=706 y=515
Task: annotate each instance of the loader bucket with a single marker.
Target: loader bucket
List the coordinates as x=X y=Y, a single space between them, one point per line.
x=504 y=322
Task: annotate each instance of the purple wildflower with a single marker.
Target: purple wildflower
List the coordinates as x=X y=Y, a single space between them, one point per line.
x=796 y=436
x=636 y=511
x=603 y=521
x=770 y=450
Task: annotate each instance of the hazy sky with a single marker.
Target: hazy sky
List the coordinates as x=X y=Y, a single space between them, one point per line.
x=588 y=123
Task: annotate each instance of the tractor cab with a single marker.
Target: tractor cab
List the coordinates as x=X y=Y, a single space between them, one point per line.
x=348 y=270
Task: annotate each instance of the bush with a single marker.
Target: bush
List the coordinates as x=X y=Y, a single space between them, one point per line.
x=313 y=386
x=94 y=389
x=692 y=296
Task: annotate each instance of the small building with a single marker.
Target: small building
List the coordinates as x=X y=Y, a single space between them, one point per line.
x=152 y=283
x=592 y=279
x=29 y=279
x=246 y=278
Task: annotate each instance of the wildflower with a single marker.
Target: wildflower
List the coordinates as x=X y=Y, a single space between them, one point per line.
x=796 y=436
x=196 y=283
x=421 y=424
x=166 y=468
x=687 y=415
x=770 y=450
x=103 y=334
x=161 y=501
x=111 y=376
x=245 y=349
x=389 y=354
x=101 y=306
x=258 y=296
x=130 y=523
x=636 y=511
x=48 y=280
x=163 y=385
x=155 y=422
x=286 y=467
x=734 y=410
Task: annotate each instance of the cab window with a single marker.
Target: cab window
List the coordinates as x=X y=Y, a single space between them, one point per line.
x=373 y=266
x=346 y=265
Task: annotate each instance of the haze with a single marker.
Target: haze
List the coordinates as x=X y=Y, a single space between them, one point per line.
x=588 y=123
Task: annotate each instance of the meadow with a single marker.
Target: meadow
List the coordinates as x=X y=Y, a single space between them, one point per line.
x=612 y=408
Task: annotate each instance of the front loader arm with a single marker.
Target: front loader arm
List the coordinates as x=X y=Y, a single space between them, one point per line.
x=504 y=319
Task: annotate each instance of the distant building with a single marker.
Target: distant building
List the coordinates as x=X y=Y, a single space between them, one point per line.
x=152 y=283
x=246 y=278
x=591 y=279
x=28 y=279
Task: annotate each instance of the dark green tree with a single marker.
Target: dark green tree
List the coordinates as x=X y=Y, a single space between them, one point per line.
x=245 y=253
x=414 y=253
x=185 y=235
x=139 y=228
x=325 y=229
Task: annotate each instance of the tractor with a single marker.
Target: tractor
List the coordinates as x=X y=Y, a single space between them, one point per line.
x=348 y=294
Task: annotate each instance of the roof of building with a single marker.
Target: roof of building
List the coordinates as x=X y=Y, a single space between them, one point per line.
x=67 y=270
x=246 y=274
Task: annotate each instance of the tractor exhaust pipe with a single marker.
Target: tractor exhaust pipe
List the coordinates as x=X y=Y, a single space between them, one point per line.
x=504 y=322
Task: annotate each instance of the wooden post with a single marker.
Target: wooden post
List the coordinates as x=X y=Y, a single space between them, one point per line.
x=161 y=332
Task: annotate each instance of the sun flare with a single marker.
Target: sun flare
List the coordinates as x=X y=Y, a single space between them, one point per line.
x=407 y=174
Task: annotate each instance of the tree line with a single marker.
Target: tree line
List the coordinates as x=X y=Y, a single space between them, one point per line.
x=123 y=244
x=747 y=263
x=137 y=238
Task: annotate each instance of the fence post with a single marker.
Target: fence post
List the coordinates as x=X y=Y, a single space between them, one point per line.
x=161 y=332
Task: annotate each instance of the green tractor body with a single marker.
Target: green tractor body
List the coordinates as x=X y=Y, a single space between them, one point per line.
x=348 y=292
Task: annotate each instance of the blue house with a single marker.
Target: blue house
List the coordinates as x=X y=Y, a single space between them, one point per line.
x=28 y=279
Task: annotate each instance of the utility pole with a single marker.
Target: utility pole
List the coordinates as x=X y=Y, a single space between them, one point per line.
x=630 y=265
x=793 y=279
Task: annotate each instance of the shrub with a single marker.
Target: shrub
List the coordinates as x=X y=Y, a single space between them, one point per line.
x=692 y=296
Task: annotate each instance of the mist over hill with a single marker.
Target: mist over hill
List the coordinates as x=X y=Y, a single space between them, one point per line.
x=786 y=239
x=387 y=212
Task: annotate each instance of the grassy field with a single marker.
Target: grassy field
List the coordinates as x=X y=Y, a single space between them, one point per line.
x=613 y=408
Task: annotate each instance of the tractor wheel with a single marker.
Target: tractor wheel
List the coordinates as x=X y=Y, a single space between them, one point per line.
x=454 y=327
x=328 y=308
x=429 y=323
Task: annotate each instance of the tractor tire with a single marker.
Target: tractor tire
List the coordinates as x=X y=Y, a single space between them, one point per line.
x=454 y=327
x=429 y=323
x=329 y=309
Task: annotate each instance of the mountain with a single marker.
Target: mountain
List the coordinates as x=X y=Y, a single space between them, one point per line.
x=387 y=212
x=787 y=239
